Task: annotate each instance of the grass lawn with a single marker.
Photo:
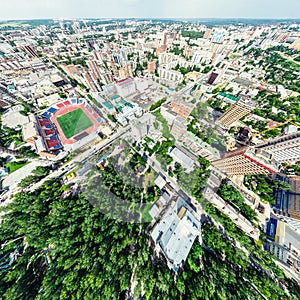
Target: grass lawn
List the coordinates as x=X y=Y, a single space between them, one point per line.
x=74 y=122
x=15 y=165
x=165 y=126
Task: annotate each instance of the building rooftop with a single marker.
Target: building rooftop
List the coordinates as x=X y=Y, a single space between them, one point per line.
x=30 y=130
x=176 y=232
x=182 y=158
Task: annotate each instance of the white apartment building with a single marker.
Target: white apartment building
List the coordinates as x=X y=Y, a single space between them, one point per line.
x=170 y=75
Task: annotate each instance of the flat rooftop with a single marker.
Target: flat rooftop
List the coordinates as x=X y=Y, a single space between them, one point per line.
x=176 y=232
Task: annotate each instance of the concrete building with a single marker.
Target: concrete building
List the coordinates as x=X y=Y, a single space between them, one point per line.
x=91 y=82
x=30 y=50
x=151 y=67
x=128 y=113
x=182 y=158
x=178 y=127
x=218 y=36
x=125 y=71
x=288 y=202
x=30 y=131
x=181 y=108
x=126 y=87
x=207 y=34
x=187 y=51
x=246 y=161
x=143 y=126
x=170 y=75
x=286 y=245
x=284 y=148
x=166 y=58
x=296 y=44
x=196 y=59
x=236 y=112
x=106 y=77
x=212 y=78
x=175 y=233
x=94 y=68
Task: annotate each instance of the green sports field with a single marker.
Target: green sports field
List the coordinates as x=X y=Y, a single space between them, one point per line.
x=74 y=122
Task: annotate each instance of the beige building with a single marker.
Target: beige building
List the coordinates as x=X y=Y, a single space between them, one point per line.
x=236 y=112
x=181 y=108
x=30 y=130
x=178 y=127
x=246 y=161
x=296 y=44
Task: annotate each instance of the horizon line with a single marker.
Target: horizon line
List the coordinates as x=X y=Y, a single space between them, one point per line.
x=155 y=18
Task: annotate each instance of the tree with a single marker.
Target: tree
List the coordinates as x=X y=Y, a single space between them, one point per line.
x=282 y=185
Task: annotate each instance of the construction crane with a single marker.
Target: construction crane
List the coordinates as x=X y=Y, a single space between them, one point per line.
x=290 y=121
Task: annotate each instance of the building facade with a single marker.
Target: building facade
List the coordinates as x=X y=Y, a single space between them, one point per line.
x=285 y=148
x=246 y=161
x=236 y=112
x=181 y=108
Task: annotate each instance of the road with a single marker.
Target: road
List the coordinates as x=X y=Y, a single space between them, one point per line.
x=157 y=168
x=211 y=196
x=87 y=154
x=185 y=89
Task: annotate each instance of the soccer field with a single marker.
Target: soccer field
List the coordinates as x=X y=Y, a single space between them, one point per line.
x=74 y=122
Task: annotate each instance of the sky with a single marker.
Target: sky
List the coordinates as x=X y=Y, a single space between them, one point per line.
x=38 y=9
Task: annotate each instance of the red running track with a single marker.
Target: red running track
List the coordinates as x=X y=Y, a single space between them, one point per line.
x=66 y=109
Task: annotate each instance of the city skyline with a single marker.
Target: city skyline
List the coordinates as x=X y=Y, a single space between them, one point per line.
x=34 y=9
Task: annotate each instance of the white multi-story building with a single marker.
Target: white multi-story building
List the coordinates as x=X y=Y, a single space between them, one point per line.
x=170 y=75
x=126 y=87
x=128 y=113
x=284 y=149
x=143 y=126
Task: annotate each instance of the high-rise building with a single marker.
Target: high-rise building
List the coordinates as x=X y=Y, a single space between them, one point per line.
x=143 y=126
x=106 y=78
x=161 y=49
x=30 y=50
x=170 y=75
x=196 y=59
x=91 y=82
x=94 y=68
x=288 y=202
x=125 y=72
x=247 y=161
x=151 y=67
x=165 y=38
x=178 y=127
x=213 y=76
x=207 y=34
x=117 y=59
x=284 y=148
x=236 y=112
x=218 y=36
x=98 y=55
x=187 y=51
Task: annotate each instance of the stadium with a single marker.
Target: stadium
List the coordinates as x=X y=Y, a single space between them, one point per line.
x=70 y=123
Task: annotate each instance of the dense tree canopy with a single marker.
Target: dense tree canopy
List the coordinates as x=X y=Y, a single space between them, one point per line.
x=57 y=245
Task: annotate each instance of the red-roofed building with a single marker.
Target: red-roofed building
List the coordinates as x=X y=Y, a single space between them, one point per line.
x=272 y=124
